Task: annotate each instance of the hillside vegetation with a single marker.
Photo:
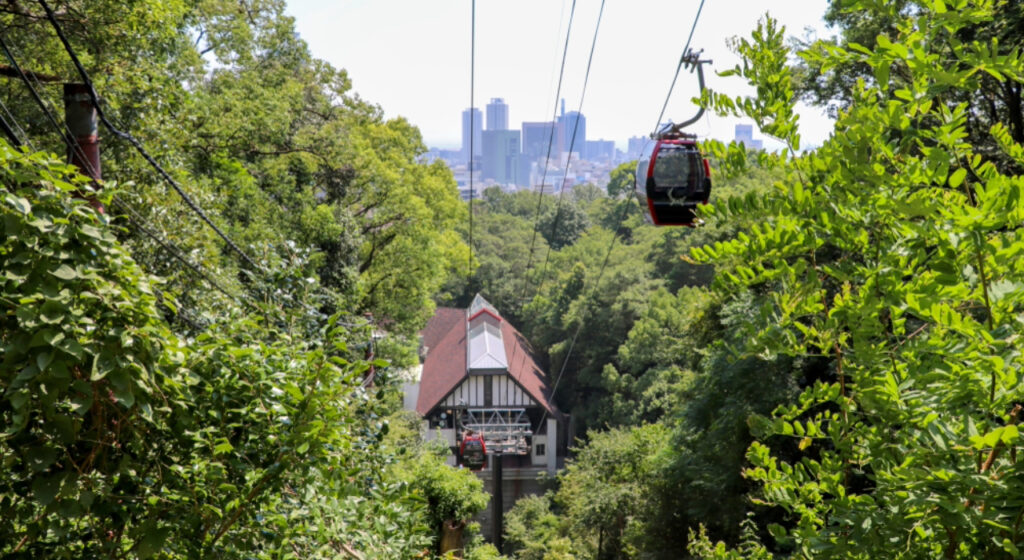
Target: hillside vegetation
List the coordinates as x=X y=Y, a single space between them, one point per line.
x=827 y=368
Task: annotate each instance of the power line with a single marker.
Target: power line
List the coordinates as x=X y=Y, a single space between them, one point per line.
x=135 y=143
x=32 y=90
x=583 y=315
x=679 y=66
x=472 y=125
x=572 y=143
x=547 y=159
x=136 y=220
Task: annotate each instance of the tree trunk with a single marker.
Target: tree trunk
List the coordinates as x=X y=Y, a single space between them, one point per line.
x=451 y=537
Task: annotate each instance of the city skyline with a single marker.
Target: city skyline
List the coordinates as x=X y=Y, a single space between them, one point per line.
x=419 y=63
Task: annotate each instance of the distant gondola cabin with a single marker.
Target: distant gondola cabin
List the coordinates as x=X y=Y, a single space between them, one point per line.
x=672 y=178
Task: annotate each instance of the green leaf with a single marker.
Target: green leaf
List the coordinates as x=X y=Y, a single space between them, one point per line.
x=45 y=488
x=18 y=203
x=152 y=541
x=65 y=272
x=957 y=178
x=43 y=360
x=40 y=458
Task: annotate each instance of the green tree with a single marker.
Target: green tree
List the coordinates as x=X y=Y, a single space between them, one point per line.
x=891 y=253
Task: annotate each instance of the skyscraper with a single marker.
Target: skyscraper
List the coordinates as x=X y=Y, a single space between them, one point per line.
x=478 y=126
x=501 y=156
x=497 y=114
x=536 y=136
x=568 y=122
x=745 y=135
x=635 y=146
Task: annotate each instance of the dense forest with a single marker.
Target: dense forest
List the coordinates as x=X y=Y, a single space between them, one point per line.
x=827 y=368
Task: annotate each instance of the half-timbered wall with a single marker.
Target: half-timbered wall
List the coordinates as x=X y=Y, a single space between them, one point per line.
x=489 y=391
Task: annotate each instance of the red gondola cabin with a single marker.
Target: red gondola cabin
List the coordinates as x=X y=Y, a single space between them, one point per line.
x=672 y=178
x=473 y=452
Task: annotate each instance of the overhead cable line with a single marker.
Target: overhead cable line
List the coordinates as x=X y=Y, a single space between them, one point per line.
x=547 y=158
x=472 y=125
x=32 y=90
x=547 y=161
x=593 y=293
x=682 y=60
x=572 y=144
x=9 y=131
x=138 y=222
x=136 y=144
x=134 y=218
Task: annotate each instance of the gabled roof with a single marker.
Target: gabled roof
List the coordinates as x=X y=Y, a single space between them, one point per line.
x=485 y=348
x=446 y=364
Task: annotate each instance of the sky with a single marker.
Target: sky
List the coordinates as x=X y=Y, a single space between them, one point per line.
x=412 y=58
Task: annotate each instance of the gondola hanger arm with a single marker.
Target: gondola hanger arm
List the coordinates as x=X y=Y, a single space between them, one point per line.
x=693 y=61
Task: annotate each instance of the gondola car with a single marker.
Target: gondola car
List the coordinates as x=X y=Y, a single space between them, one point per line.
x=672 y=178
x=473 y=452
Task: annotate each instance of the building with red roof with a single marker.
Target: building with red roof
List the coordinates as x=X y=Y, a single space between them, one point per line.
x=479 y=373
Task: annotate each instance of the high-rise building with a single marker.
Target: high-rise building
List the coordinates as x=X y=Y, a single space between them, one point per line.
x=745 y=135
x=537 y=135
x=497 y=114
x=501 y=157
x=477 y=126
x=536 y=138
x=600 y=150
x=635 y=146
x=569 y=122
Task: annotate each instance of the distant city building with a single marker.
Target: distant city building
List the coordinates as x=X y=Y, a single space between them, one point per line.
x=635 y=146
x=536 y=138
x=600 y=150
x=497 y=114
x=745 y=135
x=477 y=127
x=500 y=160
x=568 y=121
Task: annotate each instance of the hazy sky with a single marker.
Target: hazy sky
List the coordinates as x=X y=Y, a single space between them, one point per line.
x=412 y=57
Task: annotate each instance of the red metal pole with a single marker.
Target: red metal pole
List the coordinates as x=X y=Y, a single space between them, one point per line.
x=80 y=116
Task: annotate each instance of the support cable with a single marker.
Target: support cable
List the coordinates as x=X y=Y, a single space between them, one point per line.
x=547 y=161
x=583 y=313
x=8 y=130
x=472 y=124
x=136 y=220
x=32 y=90
x=547 y=158
x=682 y=59
x=136 y=144
x=572 y=143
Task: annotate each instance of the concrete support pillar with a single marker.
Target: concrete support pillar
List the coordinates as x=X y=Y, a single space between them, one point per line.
x=552 y=451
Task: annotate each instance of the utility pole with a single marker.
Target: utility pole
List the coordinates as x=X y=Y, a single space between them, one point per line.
x=84 y=151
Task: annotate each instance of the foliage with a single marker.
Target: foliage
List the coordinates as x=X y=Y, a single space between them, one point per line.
x=304 y=174
x=534 y=532
x=891 y=252
x=450 y=493
x=121 y=439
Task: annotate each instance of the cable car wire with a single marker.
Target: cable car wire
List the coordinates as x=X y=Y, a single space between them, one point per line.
x=32 y=90
x=597 y=283
x=572 y=143
x=547 y=158
x=679 y=66
x=136 y=144
x=134 y=218
x=472 y=124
